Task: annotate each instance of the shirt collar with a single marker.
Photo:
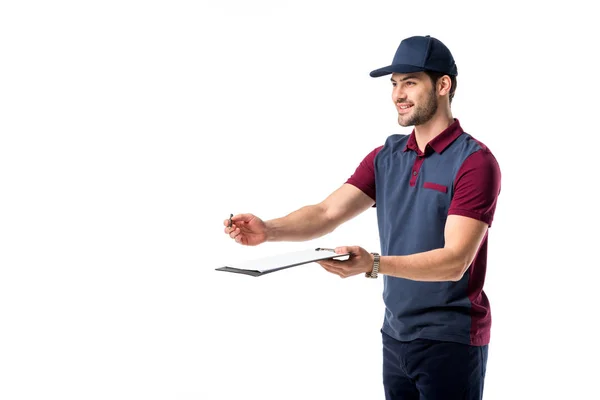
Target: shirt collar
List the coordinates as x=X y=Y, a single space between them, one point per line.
x=438 y=143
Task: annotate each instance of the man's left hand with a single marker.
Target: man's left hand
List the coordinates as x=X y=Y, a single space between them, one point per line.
x=360 y=261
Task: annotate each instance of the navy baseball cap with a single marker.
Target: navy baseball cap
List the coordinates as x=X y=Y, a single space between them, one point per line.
x=420 y=53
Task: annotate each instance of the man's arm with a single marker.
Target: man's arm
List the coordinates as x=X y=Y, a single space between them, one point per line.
x=462 y=235
x=316 y=220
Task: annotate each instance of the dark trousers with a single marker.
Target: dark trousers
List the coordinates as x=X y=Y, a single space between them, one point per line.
x=431 y=370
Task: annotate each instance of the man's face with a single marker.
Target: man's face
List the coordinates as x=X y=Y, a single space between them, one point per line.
x=415 y=98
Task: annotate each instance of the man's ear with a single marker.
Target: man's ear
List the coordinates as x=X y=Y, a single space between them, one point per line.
x=444 y=84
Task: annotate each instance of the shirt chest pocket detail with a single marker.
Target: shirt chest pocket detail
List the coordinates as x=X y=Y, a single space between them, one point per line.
x=435 y=186
x=435 y=198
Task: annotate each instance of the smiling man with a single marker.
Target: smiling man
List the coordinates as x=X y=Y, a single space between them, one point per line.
x=435 y=192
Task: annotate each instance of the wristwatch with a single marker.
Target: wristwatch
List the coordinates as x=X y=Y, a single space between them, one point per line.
x=375 y=271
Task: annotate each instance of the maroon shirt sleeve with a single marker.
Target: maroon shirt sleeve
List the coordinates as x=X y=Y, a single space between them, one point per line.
x=364 y=176
x=476 y=187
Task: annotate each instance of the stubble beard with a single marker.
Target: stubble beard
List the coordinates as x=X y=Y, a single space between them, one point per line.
x=421 y=114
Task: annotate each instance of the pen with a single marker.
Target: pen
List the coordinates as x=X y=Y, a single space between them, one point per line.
x=230 y=221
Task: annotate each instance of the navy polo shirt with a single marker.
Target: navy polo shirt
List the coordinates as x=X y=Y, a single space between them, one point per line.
x=414 y=193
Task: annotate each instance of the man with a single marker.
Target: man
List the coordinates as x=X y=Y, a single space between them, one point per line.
x=435 y=192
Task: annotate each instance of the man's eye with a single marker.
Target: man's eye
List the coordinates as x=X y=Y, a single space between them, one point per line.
x=394 y=84
x=409 y=83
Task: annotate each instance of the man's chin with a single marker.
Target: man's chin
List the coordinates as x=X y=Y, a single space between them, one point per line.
x=405 y=122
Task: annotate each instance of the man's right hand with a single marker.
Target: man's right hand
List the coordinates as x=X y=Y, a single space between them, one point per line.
x=246 y=229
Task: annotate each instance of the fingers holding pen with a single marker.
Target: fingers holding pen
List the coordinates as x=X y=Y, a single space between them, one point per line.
x=228 y=222
x=232 y=229
x=246 y=229
x=229 y=226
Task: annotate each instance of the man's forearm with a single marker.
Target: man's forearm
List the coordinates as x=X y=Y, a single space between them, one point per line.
x=306 y=223
x=435 y=265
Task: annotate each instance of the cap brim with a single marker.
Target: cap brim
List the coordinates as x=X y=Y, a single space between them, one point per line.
x=398 y=68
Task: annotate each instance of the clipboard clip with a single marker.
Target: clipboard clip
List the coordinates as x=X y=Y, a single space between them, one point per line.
x=324 y=249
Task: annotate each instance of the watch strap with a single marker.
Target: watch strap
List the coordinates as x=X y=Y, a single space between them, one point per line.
x=375 y=271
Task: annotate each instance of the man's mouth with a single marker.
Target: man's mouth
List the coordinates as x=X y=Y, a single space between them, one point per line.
x=403 y=107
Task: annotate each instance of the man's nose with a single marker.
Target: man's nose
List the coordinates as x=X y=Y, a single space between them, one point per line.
x=398 y=94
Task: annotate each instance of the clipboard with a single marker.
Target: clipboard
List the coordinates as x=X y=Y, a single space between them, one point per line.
x=266 y=265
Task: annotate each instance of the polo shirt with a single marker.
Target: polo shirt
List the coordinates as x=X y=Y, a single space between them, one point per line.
x=414 y=192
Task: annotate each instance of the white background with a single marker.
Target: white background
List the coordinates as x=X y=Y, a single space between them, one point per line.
x=130 y=130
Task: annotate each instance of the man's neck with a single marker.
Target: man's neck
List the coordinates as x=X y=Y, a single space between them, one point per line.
x=436 y=125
